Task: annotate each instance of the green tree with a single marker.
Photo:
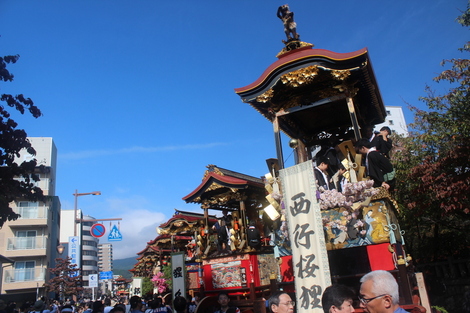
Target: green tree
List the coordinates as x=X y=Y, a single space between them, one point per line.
x=433 y=166
x=167 y=274
x=147 y=286
x=12 y=141
x=64 y=282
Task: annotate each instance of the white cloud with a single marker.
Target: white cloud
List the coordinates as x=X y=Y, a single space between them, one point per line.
x=138 y=225
x=137 y=228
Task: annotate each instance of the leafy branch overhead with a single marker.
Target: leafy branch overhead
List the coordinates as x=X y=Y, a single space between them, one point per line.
x=433 y=168
x=17 y=181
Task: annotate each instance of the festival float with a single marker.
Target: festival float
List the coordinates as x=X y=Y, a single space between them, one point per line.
x=314 y=237
x=308 y=237
x=232 y=265
x=175 y=235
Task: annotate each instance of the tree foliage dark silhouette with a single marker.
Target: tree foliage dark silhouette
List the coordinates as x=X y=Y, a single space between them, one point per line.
x=63 y=282
x=433 y=166
x=12 y=141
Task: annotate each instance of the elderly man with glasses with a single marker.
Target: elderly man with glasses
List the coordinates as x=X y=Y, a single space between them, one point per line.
x=379 y=293
x=281 y=302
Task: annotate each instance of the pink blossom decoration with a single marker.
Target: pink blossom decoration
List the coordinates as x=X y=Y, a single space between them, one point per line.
x=159 y=282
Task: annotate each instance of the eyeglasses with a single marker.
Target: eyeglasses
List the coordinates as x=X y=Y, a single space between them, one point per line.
x=288 y=303
x=365 y=301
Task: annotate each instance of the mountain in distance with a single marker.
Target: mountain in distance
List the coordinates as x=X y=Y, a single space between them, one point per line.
x=122 y=266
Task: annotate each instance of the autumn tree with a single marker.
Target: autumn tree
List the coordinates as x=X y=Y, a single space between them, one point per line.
x=433 y=167
x=64 y=280
x=12 y=141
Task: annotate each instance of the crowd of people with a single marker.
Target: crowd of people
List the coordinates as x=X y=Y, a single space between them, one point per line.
x=378 y=293
x=134 y=304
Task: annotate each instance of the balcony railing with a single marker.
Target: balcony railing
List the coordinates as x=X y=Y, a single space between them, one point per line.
x=43 y=183
x=24 y=275
x=27 y=243
x=39 y=212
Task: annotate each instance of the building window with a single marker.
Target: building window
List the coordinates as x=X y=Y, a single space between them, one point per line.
x=390 y=122
x=25 y=239
x=89 y=243
x=24 y=271
x=388 y=113
x=89 y=252
x=28 y=209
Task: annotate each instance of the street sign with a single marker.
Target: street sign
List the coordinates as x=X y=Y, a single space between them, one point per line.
x=93 y=280
x=106 y=275
x=74 y=253
x=114 y=234
x=97 y=230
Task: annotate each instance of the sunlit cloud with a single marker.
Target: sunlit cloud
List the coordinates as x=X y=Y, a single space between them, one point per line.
x=138 y=225
x=137 y=228
x=98 y=153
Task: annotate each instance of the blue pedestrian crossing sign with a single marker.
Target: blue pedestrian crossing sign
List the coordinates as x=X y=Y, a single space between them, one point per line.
x=114 y=234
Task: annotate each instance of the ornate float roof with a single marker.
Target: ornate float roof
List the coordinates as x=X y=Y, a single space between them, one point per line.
x=310 y=86
x=163 y=243
x=223 y=189
x=183 y=222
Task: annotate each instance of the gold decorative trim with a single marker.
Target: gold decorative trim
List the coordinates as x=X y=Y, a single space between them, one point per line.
x=340 y=74
x=223 y=199
x=383 y=193
x=214 y=186
x=348 y=89
x=265 y=97
x=211 y=168
x=300 y=76
x=293 y=45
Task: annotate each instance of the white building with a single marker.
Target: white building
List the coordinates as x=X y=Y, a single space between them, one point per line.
x=88 y=259
x=395 y=120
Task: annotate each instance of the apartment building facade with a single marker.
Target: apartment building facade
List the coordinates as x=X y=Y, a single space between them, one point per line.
x=105 y=257
x=32 y=240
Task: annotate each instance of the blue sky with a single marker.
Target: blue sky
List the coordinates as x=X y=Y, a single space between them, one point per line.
x=139 y=95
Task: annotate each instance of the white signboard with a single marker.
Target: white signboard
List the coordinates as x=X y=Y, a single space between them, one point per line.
x=178 y=274
x=93 y=280
x=309 y=255
x=74 y=252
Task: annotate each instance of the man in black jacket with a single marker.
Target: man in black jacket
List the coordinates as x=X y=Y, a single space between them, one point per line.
x=321 y=175
x=378 y=166
x=382 y=142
